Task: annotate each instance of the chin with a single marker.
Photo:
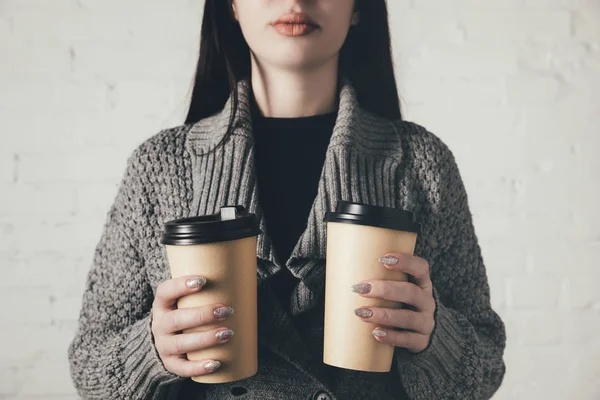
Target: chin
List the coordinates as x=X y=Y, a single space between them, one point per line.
x=297 y=59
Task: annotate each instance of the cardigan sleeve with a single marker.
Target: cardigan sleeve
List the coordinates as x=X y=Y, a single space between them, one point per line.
x=464 y=359
x=112 y=355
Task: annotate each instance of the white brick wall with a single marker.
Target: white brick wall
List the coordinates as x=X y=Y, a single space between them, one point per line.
x=511 y=85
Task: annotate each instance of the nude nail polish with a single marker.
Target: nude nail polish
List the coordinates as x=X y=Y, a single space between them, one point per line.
x=196 y=283
x=224 y=335
x=362 y=288
x=212 y=366
x=363 y=312
x=379 y=333
x=389 y=260
x=223 y=312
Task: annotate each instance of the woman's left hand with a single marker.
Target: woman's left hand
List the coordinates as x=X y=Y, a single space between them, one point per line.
x=408 y=328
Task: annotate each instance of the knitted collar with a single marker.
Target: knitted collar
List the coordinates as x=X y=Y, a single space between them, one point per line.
x=356 y=128
x=207 y=133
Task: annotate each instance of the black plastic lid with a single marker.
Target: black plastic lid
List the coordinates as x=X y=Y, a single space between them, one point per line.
x=381 y=217
x=231 y=223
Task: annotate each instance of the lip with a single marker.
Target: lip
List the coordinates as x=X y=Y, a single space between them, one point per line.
x=294 y=24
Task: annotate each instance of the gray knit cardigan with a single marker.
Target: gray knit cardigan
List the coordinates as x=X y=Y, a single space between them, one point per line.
x=190 y=170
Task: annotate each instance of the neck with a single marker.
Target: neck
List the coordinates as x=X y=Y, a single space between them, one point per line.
x=292 y=93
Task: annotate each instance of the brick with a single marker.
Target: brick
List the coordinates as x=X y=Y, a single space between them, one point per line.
x=582 y=327
x=583 y=82
x=586 y=359
x=564 y=57
x=482 y=91
x=177 y=7
x=67 y=305
x=24 y=64
x=119 y=128
x=583 y=293
x=532 y=89
x=470 y=60
x=586 y=216
x=578 y=121
x=580 y=4
x=36 y=200
x=497 y=291
x=501 y=259
x=34 y=311
x=138 y=97
x=104 y=122
x=95 y=199
x=47 y=377
x=91 y=165
x=406 y=25
x=58 y=269
x=552 y=261
x=456 y=122
x=7 y=167
x=7 y=382
x=544 y=197
x=137 y=62
x=75 y=235
x=540 y=328
x=167 y=27
x=528 y=292
x=544 y=4
x=510 y=26
x=480 y=195
x=575 y=5
x=12 y=7
x=6 y=30
x=56 y=94
x=495 y=228
x=526 y=358
x=35 y=134
x=37 y=337
x=8 y=240
x=467 y=4
x=586 y=24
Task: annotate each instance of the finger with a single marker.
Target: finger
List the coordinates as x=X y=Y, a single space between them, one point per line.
x=416 y=267
x=186 y=318
x=168 y=292
x=403 y=292
x=419 y=322
x=187 y=369
x=414 y=342
x=183 y=343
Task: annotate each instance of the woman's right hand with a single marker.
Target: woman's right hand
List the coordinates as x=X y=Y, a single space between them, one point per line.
x=168 y=321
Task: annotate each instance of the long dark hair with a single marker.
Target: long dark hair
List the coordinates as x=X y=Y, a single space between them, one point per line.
x=224 y=59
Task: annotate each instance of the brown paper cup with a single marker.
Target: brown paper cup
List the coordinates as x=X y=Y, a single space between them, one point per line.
x=230 y=270
x=353 y=252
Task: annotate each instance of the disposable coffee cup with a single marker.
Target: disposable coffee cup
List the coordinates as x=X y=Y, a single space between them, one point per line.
x=357 y=236
x=222 y=248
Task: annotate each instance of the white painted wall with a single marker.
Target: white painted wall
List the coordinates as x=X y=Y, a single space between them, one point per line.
x=512 y=86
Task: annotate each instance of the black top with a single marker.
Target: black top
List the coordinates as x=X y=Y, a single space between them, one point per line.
x=289 y=157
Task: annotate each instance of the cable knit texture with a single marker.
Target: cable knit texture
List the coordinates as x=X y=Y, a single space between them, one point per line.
x=197 y=168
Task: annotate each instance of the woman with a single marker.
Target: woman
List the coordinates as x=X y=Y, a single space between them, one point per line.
x=294 y=107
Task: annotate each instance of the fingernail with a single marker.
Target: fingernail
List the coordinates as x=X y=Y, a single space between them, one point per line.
x=379 y=332
x=212 y=366
x=361 y=288
x=223 y=312
x=224 y=335
x=196 y=283
x=363 y=313
x=389 y=260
